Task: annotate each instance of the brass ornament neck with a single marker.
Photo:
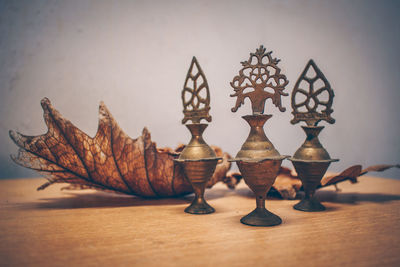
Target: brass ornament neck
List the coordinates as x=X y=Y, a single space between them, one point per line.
x=197 y=129
x=197 y=149
x=257 y=144
x=312 y=133
x=312 y=149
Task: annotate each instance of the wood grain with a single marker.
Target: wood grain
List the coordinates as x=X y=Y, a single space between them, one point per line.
x=361 y=227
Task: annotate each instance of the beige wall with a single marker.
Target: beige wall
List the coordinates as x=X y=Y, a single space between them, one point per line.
x=134 y=56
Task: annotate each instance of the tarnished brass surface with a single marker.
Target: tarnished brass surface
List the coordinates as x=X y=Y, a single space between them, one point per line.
x=197 y=148
x=196 y=95
x=310 y=174
x=311 y=160
x=257 y=145
x=198 y=173
x=258 y=160
x=259 y=79
x=259 y=176
x=198 y=159
x=311 y=149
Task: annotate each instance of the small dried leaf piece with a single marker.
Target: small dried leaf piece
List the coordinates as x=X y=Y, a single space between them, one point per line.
x=286 y=184
x=232 y=179
x=353 y=172
x=109 y=161
x=350 y=173
x=378 y=168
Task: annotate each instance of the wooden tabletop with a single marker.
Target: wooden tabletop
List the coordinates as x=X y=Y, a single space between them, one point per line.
x=361 y=227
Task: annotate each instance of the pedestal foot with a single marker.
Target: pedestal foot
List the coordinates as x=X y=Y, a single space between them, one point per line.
x=311 y=205
x=199 y=207
x=261 y=217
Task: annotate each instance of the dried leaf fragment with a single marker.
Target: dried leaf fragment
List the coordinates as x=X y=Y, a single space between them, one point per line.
x=287 y=184
x=350 y=173
x=378 y=168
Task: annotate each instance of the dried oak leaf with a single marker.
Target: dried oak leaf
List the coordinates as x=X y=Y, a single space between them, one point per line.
x=109 y=161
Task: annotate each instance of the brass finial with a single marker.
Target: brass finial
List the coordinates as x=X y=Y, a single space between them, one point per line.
x=312 y=112
x=196 y=95
x=259 y=79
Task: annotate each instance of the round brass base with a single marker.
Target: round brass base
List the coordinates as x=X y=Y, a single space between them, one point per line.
x=310 y=205
x=199 y=207
x=261 y=217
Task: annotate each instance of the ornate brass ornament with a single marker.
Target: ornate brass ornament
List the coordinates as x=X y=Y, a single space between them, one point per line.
x=259 y=79
x=196 y=95
x=311 y=160
x=312 y=102
x=198 y=159
x=258 y=160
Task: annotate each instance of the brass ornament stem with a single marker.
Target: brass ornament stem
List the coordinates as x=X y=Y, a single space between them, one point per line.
x=260 y=176
x=199 y=173
x=199 y=191
x=260 y=201
x=310 y=174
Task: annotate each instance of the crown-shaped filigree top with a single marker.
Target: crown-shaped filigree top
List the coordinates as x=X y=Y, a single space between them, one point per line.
x=196 y=95
x=259 y=79
x=312 y=90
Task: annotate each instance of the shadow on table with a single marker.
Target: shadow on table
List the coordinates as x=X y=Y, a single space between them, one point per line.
x=72 y=200
x=246 y=192
x=332 y=196
x=354 y=198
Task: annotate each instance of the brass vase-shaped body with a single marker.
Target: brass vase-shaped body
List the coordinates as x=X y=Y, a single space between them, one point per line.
x=311 y=161
x=259 y=163
x=257 y=145
x=199 y=161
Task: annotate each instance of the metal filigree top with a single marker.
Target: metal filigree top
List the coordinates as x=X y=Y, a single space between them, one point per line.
x=196 y=95
x=259 y=79
x=312 y=90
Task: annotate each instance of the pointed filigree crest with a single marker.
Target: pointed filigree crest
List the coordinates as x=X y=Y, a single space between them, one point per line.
x=259 y=79
x=312 y=114
x=196 y=95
